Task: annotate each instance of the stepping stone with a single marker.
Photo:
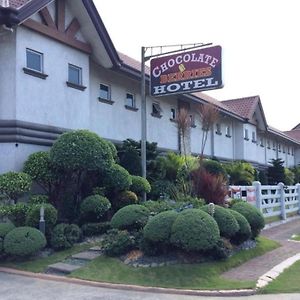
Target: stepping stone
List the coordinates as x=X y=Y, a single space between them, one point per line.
x=63 y=268
x=86 y=255
x=96 y=248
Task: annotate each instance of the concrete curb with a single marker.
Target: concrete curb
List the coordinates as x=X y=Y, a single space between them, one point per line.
x=277 y=223
x=213 y=293
x=268 y=277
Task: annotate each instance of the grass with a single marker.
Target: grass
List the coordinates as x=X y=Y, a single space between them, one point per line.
x=287 y=282
x=196 y=276
x=39 y=265
x=295 y=237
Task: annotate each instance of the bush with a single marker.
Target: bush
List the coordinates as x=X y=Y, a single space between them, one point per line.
x=253 y=216
x=125 y=198
x=156 y=207
x=222 y=250
x=193 y=201
x=241 y=173
x=140 y=185
x=91 y=229
x=117 y=178
x=5 y=228
x=214 y=167
x=14 y=184
x=64 y=236
x=244 y=232
x=226 y=221
x=93 y=208
x=24 y=241
x=117 y=242
x=17 y=213
x=158 y=228
x=195 y=230
x=130 y=217
x=38 y=199
x=50 y=216
x=162 y=189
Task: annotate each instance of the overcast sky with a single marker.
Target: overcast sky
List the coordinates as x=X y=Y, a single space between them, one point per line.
x=260 y=41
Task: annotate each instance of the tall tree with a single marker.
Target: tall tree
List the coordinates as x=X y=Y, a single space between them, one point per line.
x=276 y=171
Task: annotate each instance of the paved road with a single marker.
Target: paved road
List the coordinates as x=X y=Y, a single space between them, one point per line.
x=15 y=287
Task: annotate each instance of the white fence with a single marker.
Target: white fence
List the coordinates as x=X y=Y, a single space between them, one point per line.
x=271 y=200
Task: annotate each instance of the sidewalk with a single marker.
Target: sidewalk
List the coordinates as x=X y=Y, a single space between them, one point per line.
x=258 y=266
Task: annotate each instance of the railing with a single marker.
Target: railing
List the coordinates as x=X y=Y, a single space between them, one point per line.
x=271 y=200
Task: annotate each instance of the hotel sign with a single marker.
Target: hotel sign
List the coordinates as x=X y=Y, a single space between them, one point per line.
x=186 y=72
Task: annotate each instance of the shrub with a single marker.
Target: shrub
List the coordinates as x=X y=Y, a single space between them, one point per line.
x=222 y=250
x=140 y=185
x=156 y=207
x=91 y=229
x=130 y=217
x=14 y=184
x=158 y=228
x=162 y=189
x=24 y=241
x=193 y=201
x=50 y=216
x=244 y=232
x=17 y=213
x=241 y=173
x=117 y=178
x=93 y=208
x=214 y=167
x=5 y=228
x=195 y=230
x=117 y=242
x=210 y=187
x=38 y=199
x=227 y=223
x=253 y=216
x=64 y=236
x=125 y=198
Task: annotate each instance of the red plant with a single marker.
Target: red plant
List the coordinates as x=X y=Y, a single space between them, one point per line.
x=212 y=188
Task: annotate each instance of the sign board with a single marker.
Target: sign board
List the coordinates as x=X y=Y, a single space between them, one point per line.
x=186 y=72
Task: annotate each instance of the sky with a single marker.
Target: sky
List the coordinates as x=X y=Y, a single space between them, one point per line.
x=259 y=38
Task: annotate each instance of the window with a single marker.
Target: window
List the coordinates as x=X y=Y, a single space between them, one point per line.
x=253 y=136
x=274 y=146
x=268 y=144
x=288 y=150
x=292 y=151
x=283 y=149
x=156 y=110
x=34 y=60
x=228 y=131
x=279 y=147
x=246 y=134
x=192 y=121
x=75 y=75
x=104 y=92
x=130 y=101
x=262 y=144
x=218 y=129
x=173 y=114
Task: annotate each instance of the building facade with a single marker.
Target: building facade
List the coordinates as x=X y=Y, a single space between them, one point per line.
x=60 y=71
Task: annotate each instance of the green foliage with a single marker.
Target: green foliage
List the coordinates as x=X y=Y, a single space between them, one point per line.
x=130 y=217
x=5 y=228
x=91 y=229
x=14 y=184
x=81 y=150
x=241 y=173
x=117 y=242
x=276 y=171
x=140 y=185
x=214 y=167
x=24 y=241
x=195 y=230
x=244 y=232
x=17 y=213
x=93 y=208
x=158 y=228
x=163 y=189
x=289 y=177
x=253 y=216
x=125 y=198
x=113 y=149
x=65 y=236
x=38 y=199
x=33 y=216
x=189 y=200
x=296 y=171
x=227 y=223
x=156 y=207
x=222 y=250
x=117 y=178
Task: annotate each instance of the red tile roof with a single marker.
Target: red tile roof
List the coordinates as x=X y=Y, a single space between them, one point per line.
x=244 y=107
x=132 y=63
x=18 y=3
x=295 y=134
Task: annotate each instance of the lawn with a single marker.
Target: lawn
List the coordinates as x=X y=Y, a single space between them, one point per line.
x=287 y=282
x=196 y=276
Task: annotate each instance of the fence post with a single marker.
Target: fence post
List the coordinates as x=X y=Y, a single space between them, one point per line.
x=257 y=187
x=282 y=200
x=298 y=196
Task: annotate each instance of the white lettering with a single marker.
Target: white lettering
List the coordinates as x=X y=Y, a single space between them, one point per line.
x=164 y=67
x=161 y=89
x=186 y=85
x=186 y=57
x=199 y=83
x=178 y=60
x=156 y=72
x=174 y=87
x=210 y=83
x=213 y=62
x=171 y=63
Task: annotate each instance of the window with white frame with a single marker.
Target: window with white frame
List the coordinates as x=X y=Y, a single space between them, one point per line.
x=253 y=136
x=104 y=92
x=173 y=114
x=228 y=131
x=130 y=100
x=75 y=75
x=262 y=143
x=218 y=129
x=268 y=144
x=246 y=134
x=34 y=60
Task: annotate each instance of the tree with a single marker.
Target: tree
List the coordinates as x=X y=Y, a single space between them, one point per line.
x=240 y=173
x=276 y=171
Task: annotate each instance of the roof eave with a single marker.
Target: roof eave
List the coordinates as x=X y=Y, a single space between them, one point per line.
x=282 y=135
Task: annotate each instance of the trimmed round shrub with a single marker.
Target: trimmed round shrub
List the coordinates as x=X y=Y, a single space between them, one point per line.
x=50 y=216
x=38 y=199
x=140 y=185
x=130 y=217
x=156 y=207
x=65 y=236
x=227 y=223
x=125 y=198
x=91 y=229
x=5 y=228
x=93 y=208
x=24 y=241
x=117 y=178
x=158 y=228
x=195 y=230
x=244 y=232
x=17 y=213
x=253 y=216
